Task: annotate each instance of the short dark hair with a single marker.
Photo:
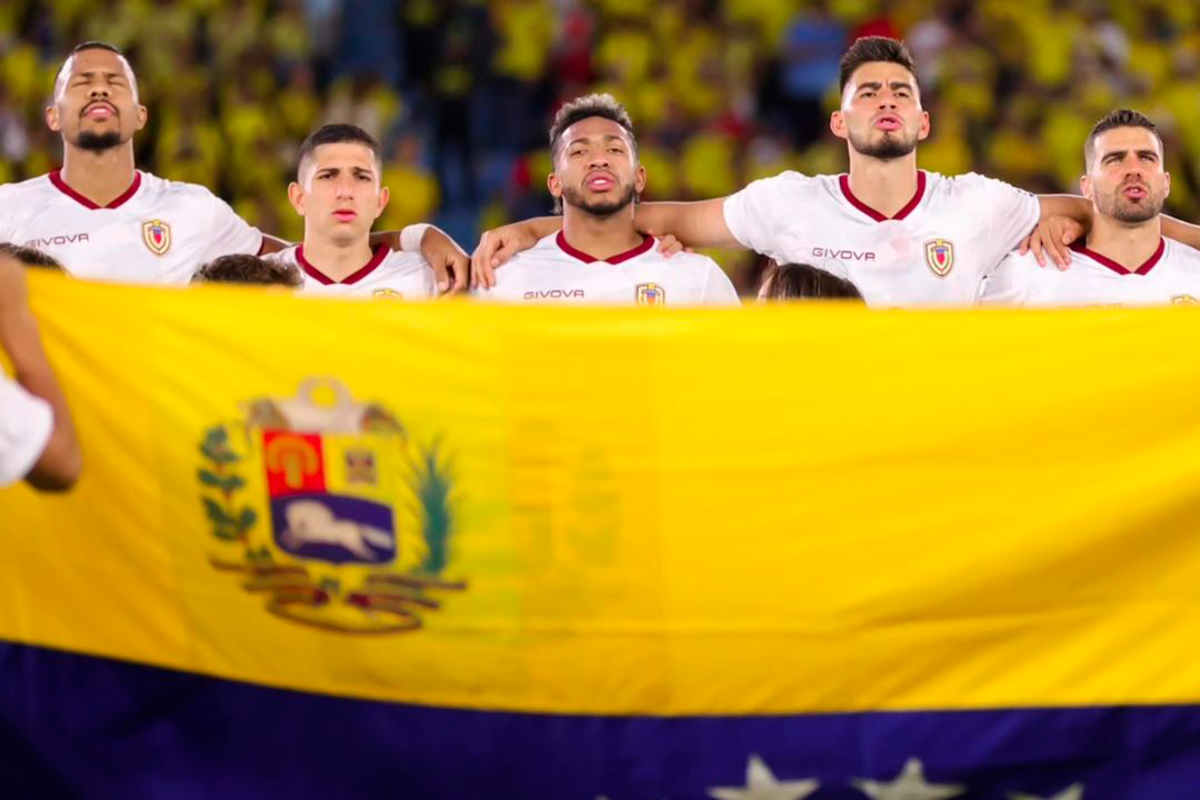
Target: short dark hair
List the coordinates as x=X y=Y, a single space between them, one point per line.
x=30 y=256
x=873 y=48
x=788 y=281
x=95 y=45
x=248 y=269
x=336 y=134
x=590 y=105
x=1118 y=118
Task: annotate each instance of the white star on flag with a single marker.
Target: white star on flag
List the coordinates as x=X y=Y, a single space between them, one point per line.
x=910 y=784
x=762 y=785
x=1072 y=792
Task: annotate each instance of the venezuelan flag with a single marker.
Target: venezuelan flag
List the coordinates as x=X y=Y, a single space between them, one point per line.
x=444 y=551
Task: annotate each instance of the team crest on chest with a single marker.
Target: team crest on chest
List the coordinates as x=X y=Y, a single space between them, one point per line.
x=386 y=294
x=939 y=256
x=651 y=294
x=157 y=236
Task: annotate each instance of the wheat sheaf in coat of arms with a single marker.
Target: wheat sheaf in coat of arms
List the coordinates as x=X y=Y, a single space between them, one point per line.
x=326 y=506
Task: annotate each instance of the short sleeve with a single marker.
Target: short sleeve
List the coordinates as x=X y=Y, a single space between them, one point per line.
x=1013 y=213
x=753 y=215
x=26 y=423
x=1012 y=283
x=718 y=289
x=230 y=234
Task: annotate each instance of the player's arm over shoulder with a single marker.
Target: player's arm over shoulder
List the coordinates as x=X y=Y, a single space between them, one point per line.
x=228 y=233
x=740 y=220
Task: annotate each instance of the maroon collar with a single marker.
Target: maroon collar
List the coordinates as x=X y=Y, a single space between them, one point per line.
x=61 y=185
x=377 y=258
x=1120 y=269
x=844 y=181
x=646 y=244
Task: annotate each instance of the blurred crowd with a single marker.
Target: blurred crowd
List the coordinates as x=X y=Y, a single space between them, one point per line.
x=461 y=92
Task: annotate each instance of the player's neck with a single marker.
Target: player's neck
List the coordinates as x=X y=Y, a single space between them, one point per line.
x=886 y=186
x=1128 y=245
x=336 y=261
x=600 y=237
x=101 y=176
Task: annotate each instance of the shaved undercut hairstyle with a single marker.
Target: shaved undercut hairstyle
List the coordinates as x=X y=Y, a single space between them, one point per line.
x=337 y=134
x=591 y=105
x=1120 y=118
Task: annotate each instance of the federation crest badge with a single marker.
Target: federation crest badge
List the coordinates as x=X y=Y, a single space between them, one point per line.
x=939 y=255
x=651 y=294
x=157 y=236
x=324 y=505
x=386 y=294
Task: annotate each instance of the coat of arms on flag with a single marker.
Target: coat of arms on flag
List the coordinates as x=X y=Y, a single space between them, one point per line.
x=651 y=294
x=157 y=236
x=328 y=508
x=939 y=255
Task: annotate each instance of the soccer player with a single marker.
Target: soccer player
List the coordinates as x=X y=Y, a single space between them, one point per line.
x=337 y=190
x=903 y=236
x=804 y=282
x=599 y=256
x=1124 y=259
x=250 y=270
x=105 y=219
x=37 y=437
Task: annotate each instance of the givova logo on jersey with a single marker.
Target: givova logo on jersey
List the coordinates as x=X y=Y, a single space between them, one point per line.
x=325 y=506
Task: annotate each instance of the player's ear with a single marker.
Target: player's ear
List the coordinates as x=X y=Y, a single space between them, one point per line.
x=52 y=121
x=296 y=197
x=837 y=124
x=1166 y=185
x=923 y=132
x=384 y=197
x=639 y=179
x=554 y=185
x=1085 y=186
x=142 y=115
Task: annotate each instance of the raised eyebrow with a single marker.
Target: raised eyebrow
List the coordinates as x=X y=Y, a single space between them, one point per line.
x=874 y=85
x=1112 y=153
x=900 y=85
x=1148 y=153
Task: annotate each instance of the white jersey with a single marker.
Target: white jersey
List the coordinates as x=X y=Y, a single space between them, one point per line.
x=935 y=251
x=26 y=423
x=389 y=275
x=158 y=231
x=552 y=271
x=1170 y=276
